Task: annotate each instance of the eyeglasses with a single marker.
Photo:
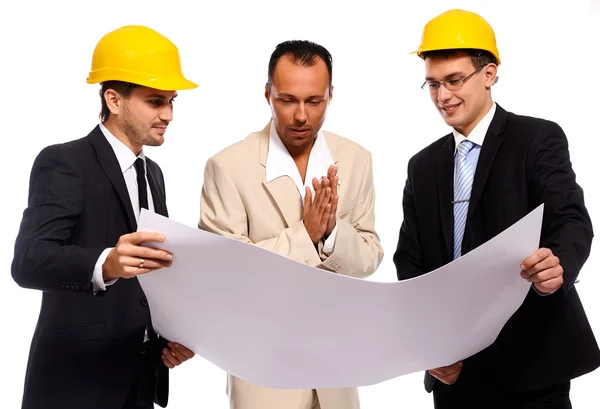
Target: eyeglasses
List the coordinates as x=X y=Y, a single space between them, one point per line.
x=453 y=84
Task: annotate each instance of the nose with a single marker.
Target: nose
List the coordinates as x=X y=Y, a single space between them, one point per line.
x=444 y=94
x=166 y=113
x=300 y=114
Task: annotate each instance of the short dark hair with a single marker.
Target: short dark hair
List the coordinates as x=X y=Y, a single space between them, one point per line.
x=123 y=88
x=303 y=52
x=479 y=58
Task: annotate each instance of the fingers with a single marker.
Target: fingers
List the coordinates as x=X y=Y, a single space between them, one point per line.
x=143 y=263
x=316 y=185
x=334 y=203
x=536 y=257
x=544 y=275
x=447 y=374
x=549 y=286
x=169 y=359
x=307 y=201
x=549 y=263
x=130 y=272
x=321 y=200
x=175 y=354
x=142 y=236
x=333 y=179
x=144 y=252
x=182 y=353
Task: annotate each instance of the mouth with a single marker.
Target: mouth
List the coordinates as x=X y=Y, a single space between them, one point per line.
x=160 y=128
x=450 y=108
x=299 y=131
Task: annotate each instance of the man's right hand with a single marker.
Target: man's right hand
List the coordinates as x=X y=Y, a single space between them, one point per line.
x=128 y=258
x=447 y=374
x=316 y=213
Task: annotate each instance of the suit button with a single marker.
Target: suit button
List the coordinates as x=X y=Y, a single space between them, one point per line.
x=144 y=302
x=77 y=285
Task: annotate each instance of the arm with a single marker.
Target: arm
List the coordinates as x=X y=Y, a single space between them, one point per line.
x=567 y=229
x=356 y=251
x=222 y=212
x=43 y=257
x=408 y=256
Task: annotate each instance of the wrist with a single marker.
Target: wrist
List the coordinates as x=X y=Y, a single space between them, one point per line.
x=107 y=271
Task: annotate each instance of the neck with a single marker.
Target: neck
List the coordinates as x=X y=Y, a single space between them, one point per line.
x=466 y=130
x=301 y=154
x=120 y=134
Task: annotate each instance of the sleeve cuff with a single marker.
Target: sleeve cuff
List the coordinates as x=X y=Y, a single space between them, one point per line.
x=98 y=283
x=330 y=242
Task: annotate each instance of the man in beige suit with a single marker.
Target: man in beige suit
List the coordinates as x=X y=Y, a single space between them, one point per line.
x=280 y=189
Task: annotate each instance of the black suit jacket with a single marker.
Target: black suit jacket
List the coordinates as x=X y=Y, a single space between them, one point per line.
x=86 y=349
x=523 y=162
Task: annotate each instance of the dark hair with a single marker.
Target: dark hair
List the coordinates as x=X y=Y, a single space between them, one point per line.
x=303 y=52
x=123 y=88
x=479 y=58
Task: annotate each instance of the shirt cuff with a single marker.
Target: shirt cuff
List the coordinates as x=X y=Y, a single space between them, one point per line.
x=98 y=282
x=330 y=242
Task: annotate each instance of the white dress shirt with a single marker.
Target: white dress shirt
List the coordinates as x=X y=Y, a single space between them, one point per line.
x=280 y=163
x=126 y=160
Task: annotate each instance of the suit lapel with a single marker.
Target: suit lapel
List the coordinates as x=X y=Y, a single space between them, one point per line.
x=110 y=165
x=334 y=148
x=282 y=190
x=445 y=182
x=489 y=149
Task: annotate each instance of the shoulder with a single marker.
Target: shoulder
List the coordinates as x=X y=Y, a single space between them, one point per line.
x=239 y=153
x=342 y=146
x=525 y=123
x=66 y=153
x=429 y=154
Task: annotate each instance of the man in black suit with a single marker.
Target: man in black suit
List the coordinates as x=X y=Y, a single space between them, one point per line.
x=465 y=188
x=94 y=345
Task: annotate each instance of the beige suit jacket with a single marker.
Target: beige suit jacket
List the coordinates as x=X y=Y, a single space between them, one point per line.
x=237 y=202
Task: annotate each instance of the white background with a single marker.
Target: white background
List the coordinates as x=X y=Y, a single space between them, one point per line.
x=547 y=50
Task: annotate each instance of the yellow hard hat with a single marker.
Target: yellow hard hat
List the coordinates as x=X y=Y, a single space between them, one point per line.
x=138 y=55
x=455 y=29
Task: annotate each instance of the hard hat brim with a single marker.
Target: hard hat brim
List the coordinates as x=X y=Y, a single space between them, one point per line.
x=174 y=83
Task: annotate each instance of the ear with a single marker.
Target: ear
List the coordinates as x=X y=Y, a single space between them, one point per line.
x=267 y=93
x=114 y=101
x=330 y=93
x=490 y=72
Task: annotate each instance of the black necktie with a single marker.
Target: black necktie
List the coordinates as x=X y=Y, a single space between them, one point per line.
x=141 y=181
x=143 y=197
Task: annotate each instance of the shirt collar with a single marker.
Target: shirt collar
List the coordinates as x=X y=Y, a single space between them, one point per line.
x=124 y=155
x=280 y=162
x=478 y=133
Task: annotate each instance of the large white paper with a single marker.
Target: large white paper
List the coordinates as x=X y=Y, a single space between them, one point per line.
x=282 y=324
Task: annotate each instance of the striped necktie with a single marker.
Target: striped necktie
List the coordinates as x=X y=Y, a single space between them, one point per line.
x=463 y=181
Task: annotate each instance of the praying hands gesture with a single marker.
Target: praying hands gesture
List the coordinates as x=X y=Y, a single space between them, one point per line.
x=320 y=213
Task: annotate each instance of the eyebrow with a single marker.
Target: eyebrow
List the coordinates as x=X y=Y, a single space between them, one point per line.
x=286 y=95
x=452 y=74
x=159 y=96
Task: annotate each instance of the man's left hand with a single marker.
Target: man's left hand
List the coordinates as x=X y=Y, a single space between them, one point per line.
x=543 y=269
x=175 y=354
